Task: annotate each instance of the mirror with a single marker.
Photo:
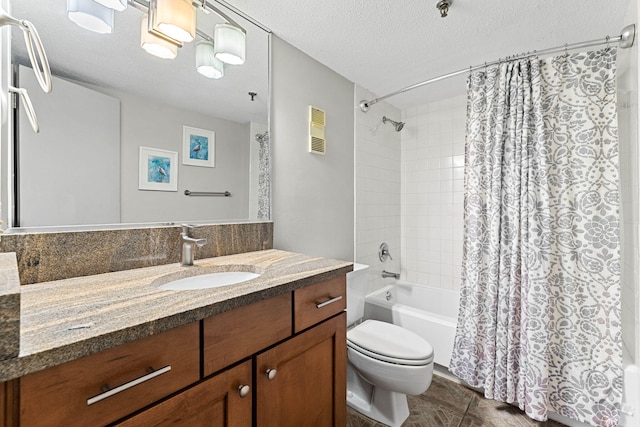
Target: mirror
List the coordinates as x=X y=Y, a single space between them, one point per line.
x=119 y=129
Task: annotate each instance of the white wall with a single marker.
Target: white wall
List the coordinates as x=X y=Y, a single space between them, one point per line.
x=160 y=126
x=313 y=195
x=432 y=192
x=377 y=176
x=630 y=190
x=73 y=163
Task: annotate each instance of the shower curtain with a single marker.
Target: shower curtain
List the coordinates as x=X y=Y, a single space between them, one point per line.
x=264 y=176
x=539 y=323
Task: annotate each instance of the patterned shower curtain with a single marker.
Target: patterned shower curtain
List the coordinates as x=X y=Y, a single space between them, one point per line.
x=264 y=176
x=539 y=323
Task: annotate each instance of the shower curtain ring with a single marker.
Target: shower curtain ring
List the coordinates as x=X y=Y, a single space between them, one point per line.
x=608 y=39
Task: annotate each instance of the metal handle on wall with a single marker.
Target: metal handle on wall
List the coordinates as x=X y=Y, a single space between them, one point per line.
x=28 y=106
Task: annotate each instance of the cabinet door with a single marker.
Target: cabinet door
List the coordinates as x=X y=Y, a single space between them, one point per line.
x=308 y=387
x=218 y=401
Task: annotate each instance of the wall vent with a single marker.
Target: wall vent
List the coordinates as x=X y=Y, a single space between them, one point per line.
x=317 y=121
x=318 y=116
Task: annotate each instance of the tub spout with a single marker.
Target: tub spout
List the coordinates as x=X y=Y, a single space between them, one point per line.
x=386 y=274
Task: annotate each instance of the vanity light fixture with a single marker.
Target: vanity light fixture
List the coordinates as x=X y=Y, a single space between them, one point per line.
x=230 y=43
x=90 y=15
x=118 y=5
x=166 y=25
x=206 y=63
x=156 y=45
x=175 y=19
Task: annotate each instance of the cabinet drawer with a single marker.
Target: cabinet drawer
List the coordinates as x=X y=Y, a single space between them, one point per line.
x=137 y=373
x=314 y=303
x=239 y=333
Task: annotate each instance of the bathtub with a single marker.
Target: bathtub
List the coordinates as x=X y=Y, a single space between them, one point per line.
x=429 y=312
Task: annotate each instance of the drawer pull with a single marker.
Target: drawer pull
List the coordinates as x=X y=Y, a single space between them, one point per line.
x=331 y=300
x=125 y=386
x=271 y=374
x=244 y=390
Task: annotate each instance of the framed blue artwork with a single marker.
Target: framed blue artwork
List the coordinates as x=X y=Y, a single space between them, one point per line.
x=198 y=147
x=158 y=170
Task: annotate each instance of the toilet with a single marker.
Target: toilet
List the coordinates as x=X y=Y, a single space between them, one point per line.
x=385 y=362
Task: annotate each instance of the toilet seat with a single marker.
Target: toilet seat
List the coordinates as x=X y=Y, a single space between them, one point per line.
x=390 y=343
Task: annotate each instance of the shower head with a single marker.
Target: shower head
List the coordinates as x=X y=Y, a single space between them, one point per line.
x=397 y=125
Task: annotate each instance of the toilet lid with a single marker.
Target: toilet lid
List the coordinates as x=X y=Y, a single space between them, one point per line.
x=391 y=343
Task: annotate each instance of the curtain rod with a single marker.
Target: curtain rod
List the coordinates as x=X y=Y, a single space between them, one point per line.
x=625 y=40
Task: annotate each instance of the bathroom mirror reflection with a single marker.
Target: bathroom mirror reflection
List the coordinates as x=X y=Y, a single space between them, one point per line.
x=109 y=99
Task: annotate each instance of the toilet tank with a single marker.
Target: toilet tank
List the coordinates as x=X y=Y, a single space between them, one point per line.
x=357 y=286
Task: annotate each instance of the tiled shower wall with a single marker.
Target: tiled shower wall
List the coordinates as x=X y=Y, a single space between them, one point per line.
x=432 y=192
x=377 y=178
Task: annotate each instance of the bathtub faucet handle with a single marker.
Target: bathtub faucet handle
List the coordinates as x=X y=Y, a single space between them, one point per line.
x=383 y=252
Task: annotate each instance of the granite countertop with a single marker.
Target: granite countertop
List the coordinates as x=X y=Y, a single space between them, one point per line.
x=67 y=319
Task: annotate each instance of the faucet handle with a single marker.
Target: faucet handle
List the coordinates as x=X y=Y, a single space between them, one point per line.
x=188 y=227
x=383 y=252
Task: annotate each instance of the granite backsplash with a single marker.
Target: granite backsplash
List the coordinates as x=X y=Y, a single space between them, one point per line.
x=47 y=256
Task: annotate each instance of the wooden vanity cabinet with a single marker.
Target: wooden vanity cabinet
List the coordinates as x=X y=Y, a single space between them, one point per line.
x=277 y=362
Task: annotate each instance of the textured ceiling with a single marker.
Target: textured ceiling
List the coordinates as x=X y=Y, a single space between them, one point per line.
x=385 y=45
x=382 y=45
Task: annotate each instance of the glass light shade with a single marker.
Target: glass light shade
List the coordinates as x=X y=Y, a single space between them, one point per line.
x=206 y=63
x=175 y=19
x=118 y=5
x=230 y=44
x=154 y=45
x=90 y=15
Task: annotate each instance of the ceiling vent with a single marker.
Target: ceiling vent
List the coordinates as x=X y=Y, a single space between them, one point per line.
x=317 y=121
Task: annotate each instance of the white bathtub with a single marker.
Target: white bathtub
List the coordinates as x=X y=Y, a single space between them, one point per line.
x=430 y=312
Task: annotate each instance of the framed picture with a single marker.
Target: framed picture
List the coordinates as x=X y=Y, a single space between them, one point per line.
x=158 y=170
x=198 y=147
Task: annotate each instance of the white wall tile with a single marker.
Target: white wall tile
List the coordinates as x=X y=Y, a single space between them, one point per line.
x=432 y=184
x=378 y=185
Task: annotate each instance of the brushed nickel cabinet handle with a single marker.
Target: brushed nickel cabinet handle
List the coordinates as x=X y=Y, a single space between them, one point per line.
x=244 y=390
x=331 y=300
x=111 y=391
x=271 y=374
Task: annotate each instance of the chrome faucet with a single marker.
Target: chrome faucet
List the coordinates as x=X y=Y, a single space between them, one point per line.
x=386 y=274
x=188 y=251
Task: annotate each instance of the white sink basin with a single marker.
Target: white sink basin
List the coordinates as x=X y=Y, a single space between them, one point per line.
x=206 y=281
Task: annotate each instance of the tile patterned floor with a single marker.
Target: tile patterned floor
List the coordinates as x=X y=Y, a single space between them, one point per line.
x=447 y=404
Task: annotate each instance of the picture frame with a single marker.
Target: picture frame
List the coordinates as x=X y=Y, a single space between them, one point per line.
x=158 y=169
x=198 y=147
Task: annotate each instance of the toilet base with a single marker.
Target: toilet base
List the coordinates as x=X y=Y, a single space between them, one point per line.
x=382 y=405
